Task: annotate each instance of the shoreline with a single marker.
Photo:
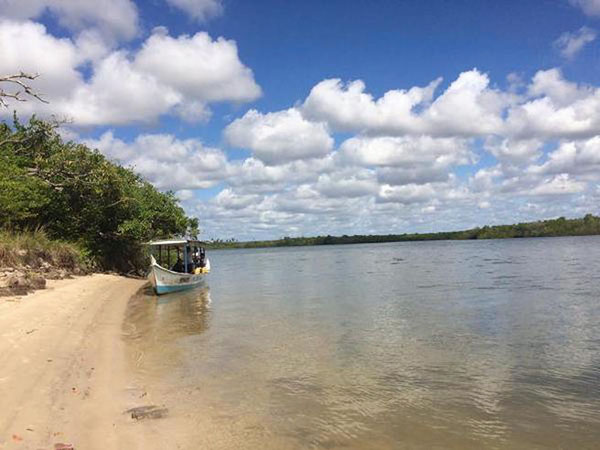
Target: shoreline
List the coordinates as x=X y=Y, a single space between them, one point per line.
x=64 y=378
x=561 y=227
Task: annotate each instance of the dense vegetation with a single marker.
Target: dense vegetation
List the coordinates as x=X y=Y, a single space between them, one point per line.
x=76 y=195
x=589 y=225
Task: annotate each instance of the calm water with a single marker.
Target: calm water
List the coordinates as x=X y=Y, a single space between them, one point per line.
x=404 y=345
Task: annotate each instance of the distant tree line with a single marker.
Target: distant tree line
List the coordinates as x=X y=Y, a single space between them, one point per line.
x=75 y=194
x=588 y=225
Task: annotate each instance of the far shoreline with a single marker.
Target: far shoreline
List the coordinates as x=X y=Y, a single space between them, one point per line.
x=561 y=227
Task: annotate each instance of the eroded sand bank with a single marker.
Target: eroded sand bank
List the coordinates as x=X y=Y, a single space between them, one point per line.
x=63 y=377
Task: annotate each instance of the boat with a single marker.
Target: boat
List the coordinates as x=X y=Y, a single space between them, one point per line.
x=177 y=264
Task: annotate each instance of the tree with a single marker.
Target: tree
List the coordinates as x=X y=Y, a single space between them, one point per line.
x=77 y=195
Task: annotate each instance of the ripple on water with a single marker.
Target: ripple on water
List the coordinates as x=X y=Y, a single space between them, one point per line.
x=419 y=345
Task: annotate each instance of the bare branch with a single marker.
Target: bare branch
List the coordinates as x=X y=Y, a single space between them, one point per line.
x=21 y=82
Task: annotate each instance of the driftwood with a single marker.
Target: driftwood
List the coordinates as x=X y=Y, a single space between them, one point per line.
x=147 y=412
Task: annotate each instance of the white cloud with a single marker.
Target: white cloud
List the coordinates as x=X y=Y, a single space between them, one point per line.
x=417 y=174
x=559 y=185
x=198 y=67
x=397 y=171
x=199 y=10
x=124 y=87
x=193 y=111
x=348 y=184
x=253 y=175
x=558 y=109
x=512 y=151
x=91 y=46
x=406 y=151
x=27 y=47
x=589 y=7
x=551 y=84
x=112 y=18
x=22 y=9
x=279 y=137
x=165 y=161
x=467 y=107
x=573 y=157
x=550 y=107
x=117 y=93
x=408 y=159
x=408 y=193
x=229 y=199
x=350 y=200
x=346 y=107
x=567 y=170
x=185 y=194
x=305 y=199
x=485 y=179
x=569 y=44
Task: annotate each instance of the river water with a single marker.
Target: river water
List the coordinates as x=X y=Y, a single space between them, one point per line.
x=463 y=344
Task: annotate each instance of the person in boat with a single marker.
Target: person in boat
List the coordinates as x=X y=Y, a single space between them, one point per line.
x=189 y=268
x=196 y=257
x=178 y=266
x=199 y=257
x=202 y=258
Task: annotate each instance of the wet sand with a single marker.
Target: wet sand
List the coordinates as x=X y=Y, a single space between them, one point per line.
x=63 y=374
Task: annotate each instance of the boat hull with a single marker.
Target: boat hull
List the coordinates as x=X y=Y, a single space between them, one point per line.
x=165 y=281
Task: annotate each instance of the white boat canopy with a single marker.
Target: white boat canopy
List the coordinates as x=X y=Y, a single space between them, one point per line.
x=174 y=242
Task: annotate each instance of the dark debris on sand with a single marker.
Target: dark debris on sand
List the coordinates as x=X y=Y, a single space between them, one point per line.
x=147 y=412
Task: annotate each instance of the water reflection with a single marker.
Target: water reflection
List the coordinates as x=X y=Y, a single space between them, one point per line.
x=419 y=345
x=154 y=324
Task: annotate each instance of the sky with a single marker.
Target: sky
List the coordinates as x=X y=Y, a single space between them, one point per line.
x=271 y=118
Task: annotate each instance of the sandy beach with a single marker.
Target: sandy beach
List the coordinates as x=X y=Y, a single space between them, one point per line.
x=68 y=379
x=63 y=374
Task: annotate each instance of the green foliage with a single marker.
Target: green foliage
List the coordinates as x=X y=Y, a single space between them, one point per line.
x=21 y=196
x=31 y=248
x=589 y=225
x=77 y=195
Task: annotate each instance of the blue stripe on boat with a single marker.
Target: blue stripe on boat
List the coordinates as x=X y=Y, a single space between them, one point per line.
x=167 y=289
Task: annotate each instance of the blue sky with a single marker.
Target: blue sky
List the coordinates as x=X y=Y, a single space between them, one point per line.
x=275 y=118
